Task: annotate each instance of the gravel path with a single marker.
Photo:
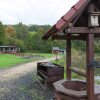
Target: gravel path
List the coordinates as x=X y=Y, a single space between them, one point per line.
x=19 y=83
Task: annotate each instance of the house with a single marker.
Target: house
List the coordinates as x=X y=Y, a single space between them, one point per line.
x=58 y=50
x=9 y=49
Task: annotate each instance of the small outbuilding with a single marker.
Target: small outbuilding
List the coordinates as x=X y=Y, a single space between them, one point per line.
x=9 y=49
x=58 y=50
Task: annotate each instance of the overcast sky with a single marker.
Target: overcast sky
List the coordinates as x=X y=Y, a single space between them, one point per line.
x=33 y=11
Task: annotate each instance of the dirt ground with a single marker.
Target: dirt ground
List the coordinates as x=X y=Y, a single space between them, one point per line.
x=19 y=83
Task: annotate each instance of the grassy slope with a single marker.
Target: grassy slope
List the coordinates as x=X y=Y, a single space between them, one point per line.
x=79 y=62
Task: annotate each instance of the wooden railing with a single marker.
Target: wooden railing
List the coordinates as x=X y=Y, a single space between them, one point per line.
x=77 y=71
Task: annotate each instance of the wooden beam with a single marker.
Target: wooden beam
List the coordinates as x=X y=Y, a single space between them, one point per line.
x=77 y=17
x=95 y=7
x=77 y=71
x=68 y=58
x=66 y=37
x=97 y=36
x=81 y=30
x=91 y=8
x=89 y=69
x=49 y=33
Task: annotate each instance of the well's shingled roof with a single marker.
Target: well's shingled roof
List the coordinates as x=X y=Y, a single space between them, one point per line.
x=67 y=18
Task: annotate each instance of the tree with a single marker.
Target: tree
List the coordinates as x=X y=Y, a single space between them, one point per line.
x=20 y=44
x=10 y=31
x=44 y=46
x=35 y=28
x=21 y=31
x=2 y=34
x=97 y=46
x=29 y=41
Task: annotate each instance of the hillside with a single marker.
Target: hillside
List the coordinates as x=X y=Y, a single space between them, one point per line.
x=28 y=38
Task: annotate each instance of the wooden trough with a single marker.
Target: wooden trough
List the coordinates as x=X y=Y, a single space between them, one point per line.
x=50 y=71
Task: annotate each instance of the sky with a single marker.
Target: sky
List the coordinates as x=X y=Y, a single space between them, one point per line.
x=40 y=12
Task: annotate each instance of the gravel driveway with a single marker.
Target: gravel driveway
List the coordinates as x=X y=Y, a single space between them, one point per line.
x=19 y=83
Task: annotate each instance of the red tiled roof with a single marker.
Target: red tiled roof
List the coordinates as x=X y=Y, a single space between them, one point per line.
x=67 y=18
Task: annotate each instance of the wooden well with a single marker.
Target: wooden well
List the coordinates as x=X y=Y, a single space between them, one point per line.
x=76 y=25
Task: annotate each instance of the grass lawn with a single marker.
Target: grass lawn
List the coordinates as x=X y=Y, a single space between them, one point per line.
x=46 y=55
x=7 y=60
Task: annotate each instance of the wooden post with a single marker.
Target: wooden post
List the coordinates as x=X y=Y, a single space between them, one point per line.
x=89 y=69
x=68 y=60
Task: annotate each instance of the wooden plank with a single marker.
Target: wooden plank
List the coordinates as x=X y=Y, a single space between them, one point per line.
x=49 y=33
x=77 y=71
x=68 y=58
x=95 y=7
x=77 y=17
x=65 y=37
x=97 y=36
x=81 y=30
x=89 y=69
x=91 y=8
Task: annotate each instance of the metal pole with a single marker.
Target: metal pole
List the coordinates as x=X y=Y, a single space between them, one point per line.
x=89 y=69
